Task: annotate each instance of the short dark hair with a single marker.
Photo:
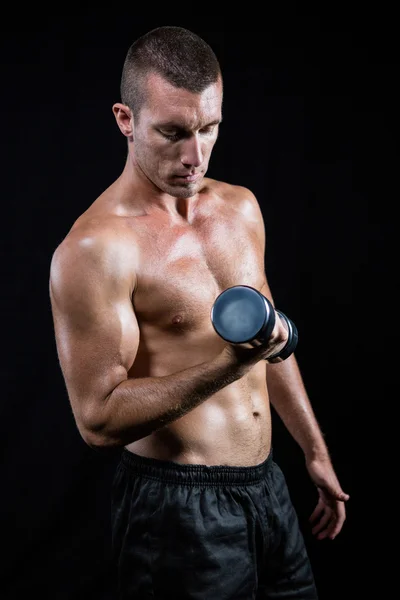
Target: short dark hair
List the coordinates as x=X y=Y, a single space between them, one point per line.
x=180 y=56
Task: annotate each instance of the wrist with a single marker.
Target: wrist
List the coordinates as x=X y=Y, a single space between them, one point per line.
x=317 y=452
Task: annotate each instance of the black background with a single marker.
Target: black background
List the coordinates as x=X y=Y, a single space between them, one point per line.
x=309 y=126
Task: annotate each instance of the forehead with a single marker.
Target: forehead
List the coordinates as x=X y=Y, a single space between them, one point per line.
x=166 y=103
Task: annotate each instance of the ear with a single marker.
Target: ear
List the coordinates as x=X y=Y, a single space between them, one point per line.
x=123 y=116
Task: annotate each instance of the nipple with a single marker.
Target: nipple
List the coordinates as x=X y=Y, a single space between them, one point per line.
x=177 y=319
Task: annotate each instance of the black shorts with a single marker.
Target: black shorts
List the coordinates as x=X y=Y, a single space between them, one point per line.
x=193 y=532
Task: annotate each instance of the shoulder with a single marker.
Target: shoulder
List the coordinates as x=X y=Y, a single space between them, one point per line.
x=92 y=249
x=237 y=197
x=80 y=243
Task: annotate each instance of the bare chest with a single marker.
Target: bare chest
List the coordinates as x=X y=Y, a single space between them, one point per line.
x=183 y=268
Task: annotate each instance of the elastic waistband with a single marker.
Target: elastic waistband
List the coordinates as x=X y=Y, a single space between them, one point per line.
x=192 y=474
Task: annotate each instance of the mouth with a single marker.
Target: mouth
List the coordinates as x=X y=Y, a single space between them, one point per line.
x=189 y=178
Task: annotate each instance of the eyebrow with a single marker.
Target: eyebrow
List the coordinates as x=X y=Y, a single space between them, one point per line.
x=182 y=127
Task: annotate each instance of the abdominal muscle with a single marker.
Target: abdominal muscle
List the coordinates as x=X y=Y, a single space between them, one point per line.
x=233 y=428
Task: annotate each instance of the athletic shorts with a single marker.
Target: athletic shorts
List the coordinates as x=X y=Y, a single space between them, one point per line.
x=196 y=532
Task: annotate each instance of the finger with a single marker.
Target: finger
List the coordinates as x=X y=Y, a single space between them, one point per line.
x=279 y=335
x=338 y=523
x=324 y=534
x=322 y=523
x=317 y=511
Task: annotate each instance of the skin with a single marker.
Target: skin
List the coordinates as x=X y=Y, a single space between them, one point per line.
x=132 y=286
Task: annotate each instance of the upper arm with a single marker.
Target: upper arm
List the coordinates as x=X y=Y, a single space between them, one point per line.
x=251 y=211
x=96 y=331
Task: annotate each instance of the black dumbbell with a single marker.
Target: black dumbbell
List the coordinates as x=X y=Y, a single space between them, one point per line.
x=241 y=314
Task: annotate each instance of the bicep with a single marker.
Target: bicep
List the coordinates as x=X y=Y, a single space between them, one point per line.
x=96 y=330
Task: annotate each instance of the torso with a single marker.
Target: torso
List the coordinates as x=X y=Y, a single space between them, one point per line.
x=181 y=267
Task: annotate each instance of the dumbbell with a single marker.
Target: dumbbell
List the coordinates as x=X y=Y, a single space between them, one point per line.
x=241 y=314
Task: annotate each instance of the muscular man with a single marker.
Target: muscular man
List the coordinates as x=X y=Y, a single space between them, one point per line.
x=200 y=508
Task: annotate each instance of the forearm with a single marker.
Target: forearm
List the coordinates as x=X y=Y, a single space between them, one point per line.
x=137 y=407
x=289 y=398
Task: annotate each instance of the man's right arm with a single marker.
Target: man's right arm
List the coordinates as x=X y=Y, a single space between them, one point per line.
x=97 y=338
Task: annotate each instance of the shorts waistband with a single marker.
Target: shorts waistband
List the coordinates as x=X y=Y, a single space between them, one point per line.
x=193 y=474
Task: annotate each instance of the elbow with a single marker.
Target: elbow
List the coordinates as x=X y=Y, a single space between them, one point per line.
x=98 y=441
x=100 y=432
x=103 y=438
x=96 y=434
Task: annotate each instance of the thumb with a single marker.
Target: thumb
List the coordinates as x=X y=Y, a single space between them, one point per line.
x=341 y=495
x=336 y=492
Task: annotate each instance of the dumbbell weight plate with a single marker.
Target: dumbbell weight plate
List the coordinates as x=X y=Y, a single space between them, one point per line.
x=241 y=314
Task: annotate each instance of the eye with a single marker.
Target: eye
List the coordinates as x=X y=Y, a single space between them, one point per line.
x=207 y=130
x=171 y=136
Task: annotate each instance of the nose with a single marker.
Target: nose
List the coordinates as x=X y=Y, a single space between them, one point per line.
x=192 y=153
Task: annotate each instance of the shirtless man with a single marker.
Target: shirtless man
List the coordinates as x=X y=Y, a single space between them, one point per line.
x=200 y=509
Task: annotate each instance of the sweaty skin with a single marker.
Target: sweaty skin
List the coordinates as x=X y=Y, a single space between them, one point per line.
x=182 y=275
x=173 y=267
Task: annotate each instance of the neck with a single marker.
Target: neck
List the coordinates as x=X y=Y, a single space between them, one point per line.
x=137 y=193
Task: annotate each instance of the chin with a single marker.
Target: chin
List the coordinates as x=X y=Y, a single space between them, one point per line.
x=182 y=191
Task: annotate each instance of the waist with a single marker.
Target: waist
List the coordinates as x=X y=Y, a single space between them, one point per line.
x=168 y=471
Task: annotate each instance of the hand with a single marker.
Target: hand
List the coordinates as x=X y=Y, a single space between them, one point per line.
x=248 y=354
x=329 y=515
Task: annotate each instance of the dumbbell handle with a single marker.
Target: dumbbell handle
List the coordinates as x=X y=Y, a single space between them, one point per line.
x=291 y=342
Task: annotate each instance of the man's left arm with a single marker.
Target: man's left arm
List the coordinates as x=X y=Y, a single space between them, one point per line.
x=289 y=398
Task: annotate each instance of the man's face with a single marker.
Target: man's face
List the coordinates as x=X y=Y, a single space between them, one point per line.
x=175 y=134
